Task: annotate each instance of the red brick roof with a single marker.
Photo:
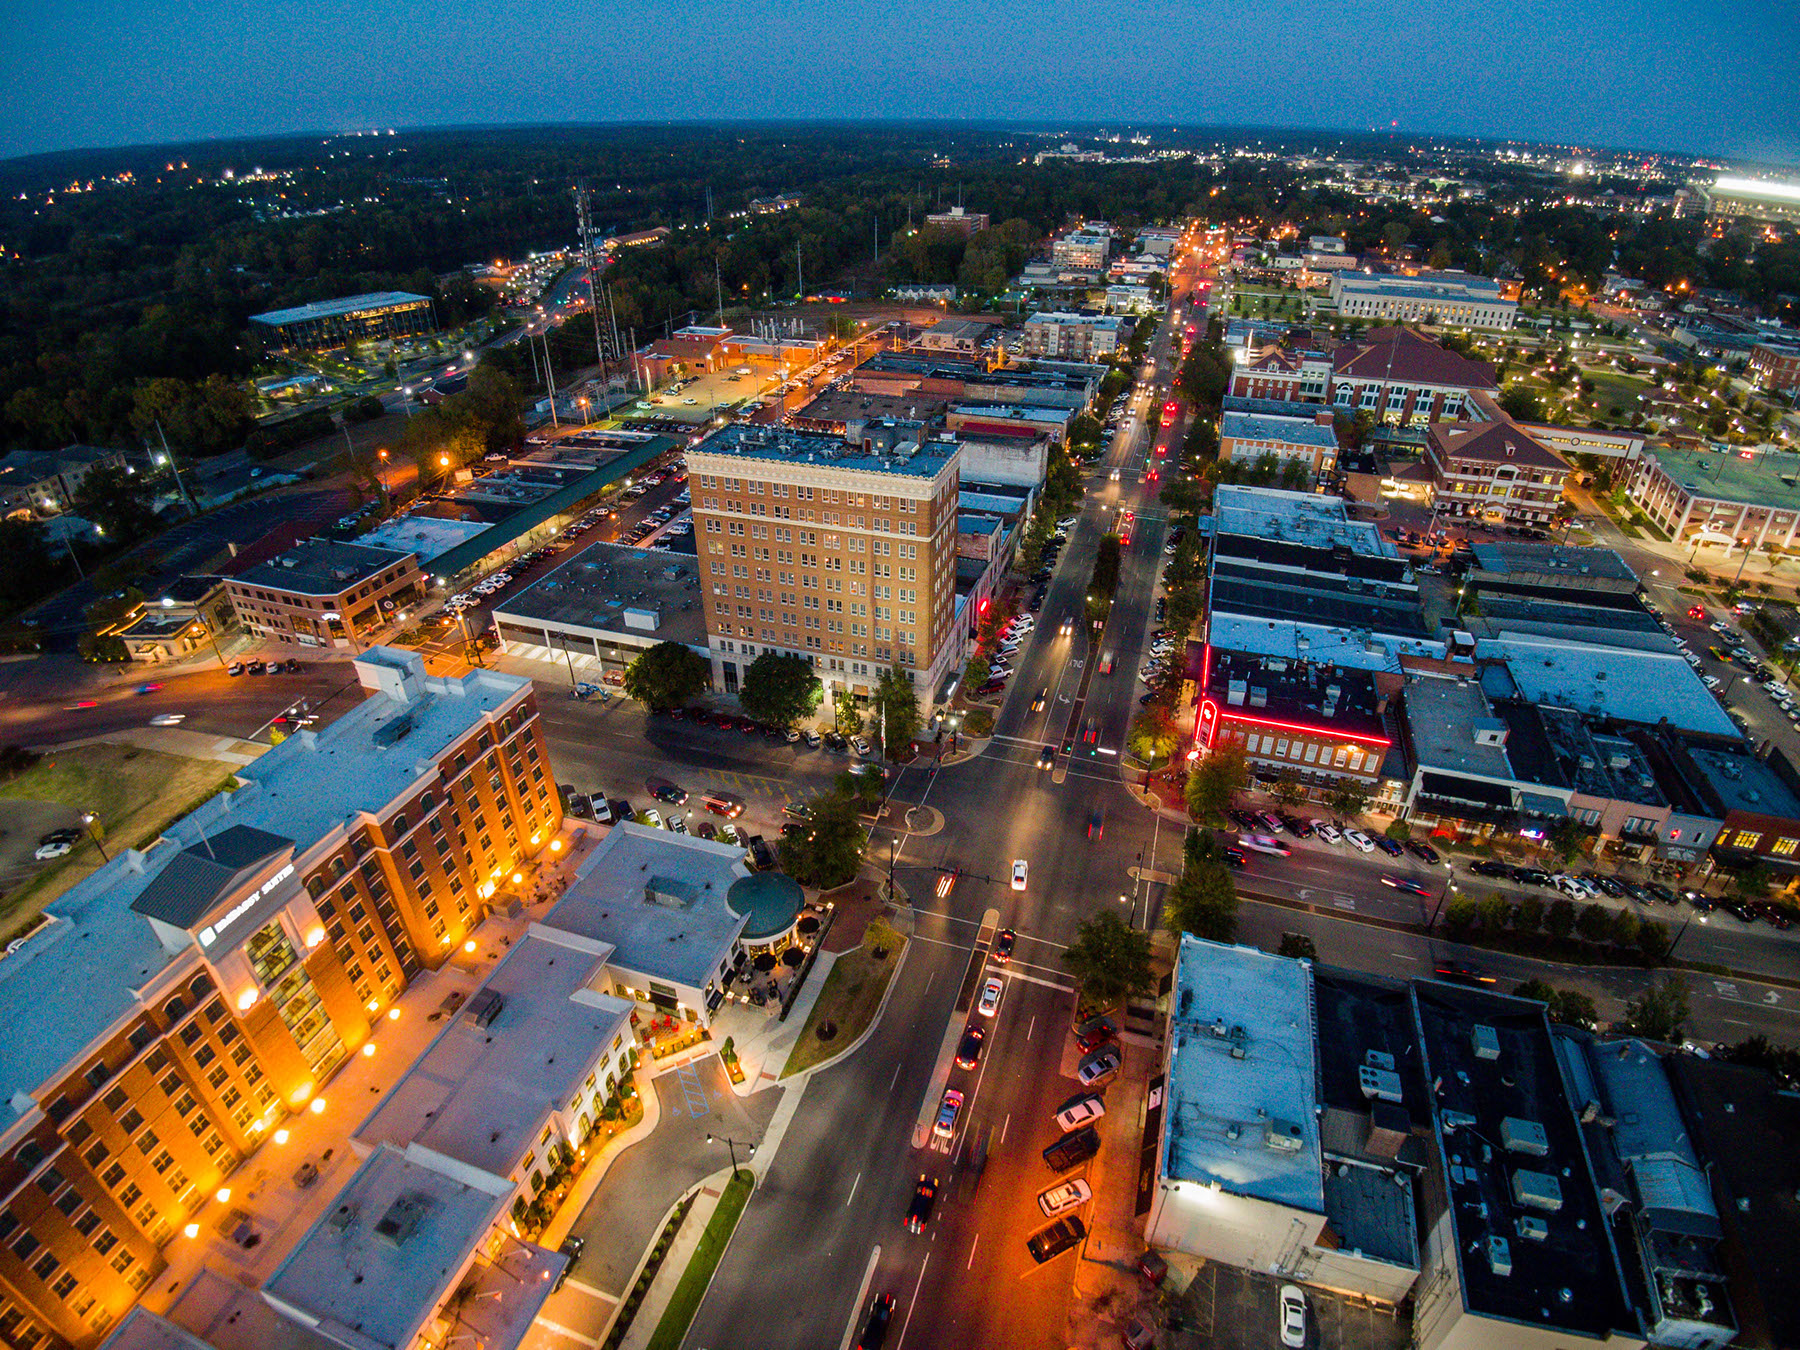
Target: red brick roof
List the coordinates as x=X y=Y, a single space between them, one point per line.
x=1493 y=443
x=1403 y=357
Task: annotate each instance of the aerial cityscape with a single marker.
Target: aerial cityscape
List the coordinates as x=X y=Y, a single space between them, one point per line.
x=766 y=712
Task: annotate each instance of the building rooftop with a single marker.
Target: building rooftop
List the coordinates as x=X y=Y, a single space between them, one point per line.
x=618 y=588
x=1403 y=357
x=659 y=900
x=1293 y=430
x=1443 y=718
x=1352 y=648
x=203 y=873
x=331 y=309
x=1241 y=1076
x=1295 y=517
x=1552 y=567
x=1493 y=443
x=795 y=447
x=319 y=567
x=1743 y=782
x=1632 y=686
x=425 y=537
x=1450 y=285
x=1529 y=1236
x=1316 y=695
x=375 y=1266
x=482 y=1091
x=1767 y=478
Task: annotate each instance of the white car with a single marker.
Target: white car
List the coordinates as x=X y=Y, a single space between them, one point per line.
x=1363 y=843
x=1078 y=1113
x=858 y=744
x=1327 y=831
x=1060 y=1199
x=168 y=719
x=1293 y=1317
x=990 y=996
x=1068 y=627
x=1018 y=882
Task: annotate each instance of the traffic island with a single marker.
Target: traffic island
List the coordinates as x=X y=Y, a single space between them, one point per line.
x=850 y=999
x=708 y=1250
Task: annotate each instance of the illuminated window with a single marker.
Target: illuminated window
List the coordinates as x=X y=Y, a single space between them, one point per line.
x=1784 y=847
x=1745 y=839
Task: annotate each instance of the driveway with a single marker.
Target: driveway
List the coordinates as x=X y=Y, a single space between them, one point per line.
x=622 y=1218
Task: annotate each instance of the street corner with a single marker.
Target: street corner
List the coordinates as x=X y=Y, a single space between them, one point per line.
x=923 y=821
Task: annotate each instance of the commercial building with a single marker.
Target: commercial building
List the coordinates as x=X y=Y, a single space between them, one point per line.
x=189 y=616
x=1309 y=721
x=44 y=483
x=1493 y=471
x=172 y=1005
x=321 y=593
x=1403 y=379
x=956 y=219
x=378 y=317
x=1277 y=372
x=957 y=337
x=1752 y=199
x=1454 y=299
x=1747 y=497
x=842 y=553
x=1775 y=366
x=1081 y=248
x=1311 y=441
x=1253 y=1167
x=601 y=610
x=1074 y=337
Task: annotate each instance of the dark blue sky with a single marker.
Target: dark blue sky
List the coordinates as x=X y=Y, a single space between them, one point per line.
x=1691 y=75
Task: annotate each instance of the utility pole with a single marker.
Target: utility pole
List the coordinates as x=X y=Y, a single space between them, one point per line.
x=718 y=283
x=175 y=469
x=584 y=224
x=550 y=380
x=799 y=272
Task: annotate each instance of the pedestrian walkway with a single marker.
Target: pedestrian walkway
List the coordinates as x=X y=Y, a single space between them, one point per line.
x=687 y=1238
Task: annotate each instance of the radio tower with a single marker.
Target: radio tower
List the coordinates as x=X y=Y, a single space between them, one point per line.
x=584 y=224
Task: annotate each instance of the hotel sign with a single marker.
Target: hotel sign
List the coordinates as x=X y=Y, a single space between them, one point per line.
x=210 y=933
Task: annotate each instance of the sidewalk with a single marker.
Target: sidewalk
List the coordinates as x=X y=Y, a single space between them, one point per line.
x=681 y=1250
x=1107 y=1288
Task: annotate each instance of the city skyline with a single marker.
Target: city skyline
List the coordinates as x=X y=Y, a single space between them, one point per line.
x=1683 y=86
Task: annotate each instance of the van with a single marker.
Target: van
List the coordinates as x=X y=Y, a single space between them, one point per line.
x=1073 y=1149
x=723 y=804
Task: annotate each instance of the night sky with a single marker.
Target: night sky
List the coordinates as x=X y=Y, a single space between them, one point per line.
x=1687 y=75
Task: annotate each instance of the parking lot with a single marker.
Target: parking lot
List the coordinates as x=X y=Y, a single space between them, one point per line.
x=1231 y=1309
x=701 y=395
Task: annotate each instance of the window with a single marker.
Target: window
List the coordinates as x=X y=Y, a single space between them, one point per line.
x=1745 y=839
x=1784 y=847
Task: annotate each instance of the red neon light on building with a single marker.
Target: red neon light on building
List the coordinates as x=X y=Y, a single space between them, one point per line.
x=1336 y=734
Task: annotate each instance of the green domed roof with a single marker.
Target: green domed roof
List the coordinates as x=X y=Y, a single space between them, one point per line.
x=770 y=900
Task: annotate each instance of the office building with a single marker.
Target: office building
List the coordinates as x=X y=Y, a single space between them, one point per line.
x=1453 y=299
x=841 y=552
x=378 y=317
x=1403 y=379
x=1493 y=471
x=321 y=593
x=1277 y=372
x=176 y=1002
x=957 y=220
x=1748 y=498
x=1247 y=437
x=1074 y=337
x=1082 y=248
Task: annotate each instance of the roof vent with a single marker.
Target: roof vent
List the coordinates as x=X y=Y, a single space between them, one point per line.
x=402 y=1218
x=1524 y=1136
x=1379 y=1084
x=1284 y=1136
x=1499 y=1255
x=1531 y=1229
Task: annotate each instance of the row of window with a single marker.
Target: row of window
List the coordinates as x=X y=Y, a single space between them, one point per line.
x=1299 y=751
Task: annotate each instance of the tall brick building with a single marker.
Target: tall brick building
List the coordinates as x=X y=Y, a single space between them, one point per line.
x=838 y=549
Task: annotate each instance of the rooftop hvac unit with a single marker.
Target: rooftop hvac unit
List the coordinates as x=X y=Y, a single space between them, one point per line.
x=1380 y=1059
x=1456 y=1120
x=1532 y=1229
x=1284 y=1136
x=1524 y=1136
x=1499 y=1255
x=1537 y=1190
x=1380 y=1084
x=482 y=1008
x=402 y=1218
x=1486 y=1041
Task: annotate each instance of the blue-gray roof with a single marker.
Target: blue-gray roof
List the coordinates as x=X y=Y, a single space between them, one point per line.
x=1290 y=430
x=800 y=447
x=331 y=309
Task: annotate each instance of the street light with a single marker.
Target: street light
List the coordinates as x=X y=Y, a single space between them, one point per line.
x=733 y=1145
x=88 y=820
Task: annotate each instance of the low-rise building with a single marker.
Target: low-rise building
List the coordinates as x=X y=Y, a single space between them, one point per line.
x=44 y=483
x=1493 y=471
x=1074 y=337
x=1775 y=366
x=1277 y=372
x=957 y=337
x=958 y=221
x=1311 y=441
x=321 y=593
x=1744 y=498
x=1454 y=299
x=1312 y=722
x=380 y=316
x=1401 y=378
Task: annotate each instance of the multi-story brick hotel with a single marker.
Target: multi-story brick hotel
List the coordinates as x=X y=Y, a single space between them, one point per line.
x=838 y=549
x=177 y=1002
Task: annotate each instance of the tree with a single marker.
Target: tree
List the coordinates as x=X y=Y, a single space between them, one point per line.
x=1594 y=923
x=1109 y=959
x=1519 y=402
x=1298 y=946
x=1559 y=919
x=1528 y=916
x=780 y=690
x=1653 y=940
x=1203 y=901
x=1659 y=1013
x=1289 y=791
x=896 y=709
x=25 y=564
x=117 y=501
x=830 y=851
x=1153 y=733
x=669 y=675
x=1493 y=912
x=1215 y=777
x=1460 y=916
x=1347 y=798
x=1566 y=838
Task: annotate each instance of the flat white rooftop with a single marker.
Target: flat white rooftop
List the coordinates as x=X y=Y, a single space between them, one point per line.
x=481 y=1093
x=1636 y=686
x=423 y=536
x=1242 y=1075
x=1293 y=641
x=1296 y=518
x=374 y=1268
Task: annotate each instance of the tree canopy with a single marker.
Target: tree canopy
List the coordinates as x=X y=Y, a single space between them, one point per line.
x=1109 y=958
x=829 y=851
x=1203 y=901
x=780 y=690
x=1216 y=776
x=669 y=675
x=896 y=710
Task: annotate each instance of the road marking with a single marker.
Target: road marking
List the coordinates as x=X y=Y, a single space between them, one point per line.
x=914 y=1300
x=975 y=1242
x=931 y=975
x=1048 y=984
x=853 y=1185
x=1344 y=902
x=1005 y=1125
x=570 y=1332
x=896 y=1079
x=1032 y=1027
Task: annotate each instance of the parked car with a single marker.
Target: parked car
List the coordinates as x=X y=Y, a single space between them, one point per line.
x=1388 y=846
x=1360 y=841
x=1422 y=851
x=1062 y=1198
x=1487 y=867
x=1099 y=1067
x=1293 y=1317
x=1058 y=1238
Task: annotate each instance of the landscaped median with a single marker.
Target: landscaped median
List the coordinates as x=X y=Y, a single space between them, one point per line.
x=685 y=1301
x=850 y=999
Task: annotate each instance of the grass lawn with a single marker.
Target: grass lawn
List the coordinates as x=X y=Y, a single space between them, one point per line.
x=685 y=1301
x=136 y=793
x=850 y=997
